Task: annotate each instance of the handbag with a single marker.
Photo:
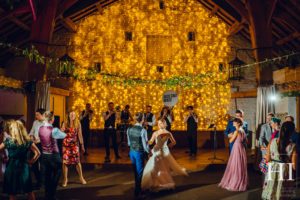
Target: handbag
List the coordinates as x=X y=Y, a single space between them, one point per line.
x=263 y=166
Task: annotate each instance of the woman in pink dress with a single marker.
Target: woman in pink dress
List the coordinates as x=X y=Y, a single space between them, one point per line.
x=235 y=177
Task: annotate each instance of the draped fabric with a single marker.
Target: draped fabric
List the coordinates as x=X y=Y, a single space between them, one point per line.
x=42 y=95
x=264 y=103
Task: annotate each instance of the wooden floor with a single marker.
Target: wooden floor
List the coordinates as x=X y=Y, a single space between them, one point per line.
x=96 y=156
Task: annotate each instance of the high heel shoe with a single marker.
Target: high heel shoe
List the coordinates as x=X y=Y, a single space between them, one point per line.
x=83 y=181
x=65 y=183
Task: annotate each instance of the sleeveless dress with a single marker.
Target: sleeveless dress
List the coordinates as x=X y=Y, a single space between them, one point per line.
x=274 y=188
x=235 y=177
x=160 y=167
x=17 y=179
x=71 y=154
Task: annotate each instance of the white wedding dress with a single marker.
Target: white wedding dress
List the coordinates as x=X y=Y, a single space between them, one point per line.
x=161 y=166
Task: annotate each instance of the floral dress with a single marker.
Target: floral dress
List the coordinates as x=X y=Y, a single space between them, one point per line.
x=71 y=147
x=276 y=188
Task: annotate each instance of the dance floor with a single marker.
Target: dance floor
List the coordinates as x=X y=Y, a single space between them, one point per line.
x=203 y=159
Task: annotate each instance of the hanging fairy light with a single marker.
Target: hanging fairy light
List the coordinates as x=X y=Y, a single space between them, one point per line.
x=119 y=39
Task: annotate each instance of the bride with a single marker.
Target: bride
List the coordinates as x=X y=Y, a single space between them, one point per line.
x=161 y=165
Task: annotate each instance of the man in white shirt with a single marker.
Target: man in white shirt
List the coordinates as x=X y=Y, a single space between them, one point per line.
x=34 y=135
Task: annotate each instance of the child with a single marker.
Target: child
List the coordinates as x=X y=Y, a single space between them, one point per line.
x=17 y=179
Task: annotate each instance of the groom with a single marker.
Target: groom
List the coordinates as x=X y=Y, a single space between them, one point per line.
x=138 y=143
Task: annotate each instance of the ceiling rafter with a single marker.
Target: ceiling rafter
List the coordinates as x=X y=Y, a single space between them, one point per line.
x=15 y=20
x=69 y=24
x=288 y=38
x=239 y=7
x=237 y=26
x=271 y=10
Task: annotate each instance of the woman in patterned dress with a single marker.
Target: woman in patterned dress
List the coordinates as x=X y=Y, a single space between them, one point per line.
x=280 y=152
x=72 y=145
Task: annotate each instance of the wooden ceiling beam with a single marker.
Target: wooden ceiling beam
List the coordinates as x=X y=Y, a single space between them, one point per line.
x=100 y=8
x=15 y=20
x=17 y=11
x=239 y=7
x=214 y=10
x=236 y=27
x=65 y=5
x=292 y=10
x=69 y=24
x=261 y=37
x=288 y=38
x=271 y=9
x=284 y=17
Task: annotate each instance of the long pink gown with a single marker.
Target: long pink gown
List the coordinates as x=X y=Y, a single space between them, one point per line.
x=235 y=177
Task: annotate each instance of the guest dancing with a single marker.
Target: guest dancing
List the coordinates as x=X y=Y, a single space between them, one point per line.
x=280 y=150
x=192 y=125
x=235 y=177
x=17 y=178
x=34 y=134
x=85 y=120
x=125 y=120
x=167 y=115
x=149 y=121
x=51 y=160
x=138 y=143
x=72 y=145
x=110 y=132
x=157 y=173
x=230 y=129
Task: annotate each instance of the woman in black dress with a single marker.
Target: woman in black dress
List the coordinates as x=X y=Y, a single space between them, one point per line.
x=167 y=115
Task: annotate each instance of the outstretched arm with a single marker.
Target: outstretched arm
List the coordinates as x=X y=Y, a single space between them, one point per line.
x=36 y=153
x=153 y=138
x=172 y=140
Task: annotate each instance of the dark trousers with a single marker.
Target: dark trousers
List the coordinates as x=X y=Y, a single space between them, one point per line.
x=137 y=158
x=192 y=139
x=123 y=131
x=36 y=167
x=86 y=138
x=110 y=133
x=51 y=171
x=149 y=132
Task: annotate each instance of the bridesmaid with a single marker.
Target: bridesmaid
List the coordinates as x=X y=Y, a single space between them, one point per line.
x=71 y=152
x=235 y=177
x=17 y=179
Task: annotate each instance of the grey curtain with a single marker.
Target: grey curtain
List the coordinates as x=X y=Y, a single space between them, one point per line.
x=42 y=95
x=264 y=104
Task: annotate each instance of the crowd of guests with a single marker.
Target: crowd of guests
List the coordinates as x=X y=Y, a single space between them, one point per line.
x=278 y=150
x=39 y=152
x=49 y=151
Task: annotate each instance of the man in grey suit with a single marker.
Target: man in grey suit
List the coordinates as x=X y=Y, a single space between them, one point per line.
x=265 y=135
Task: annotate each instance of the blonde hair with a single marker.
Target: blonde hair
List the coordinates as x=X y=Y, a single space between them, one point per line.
x=18 y=132
x=76 y=123
x=49 y=116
